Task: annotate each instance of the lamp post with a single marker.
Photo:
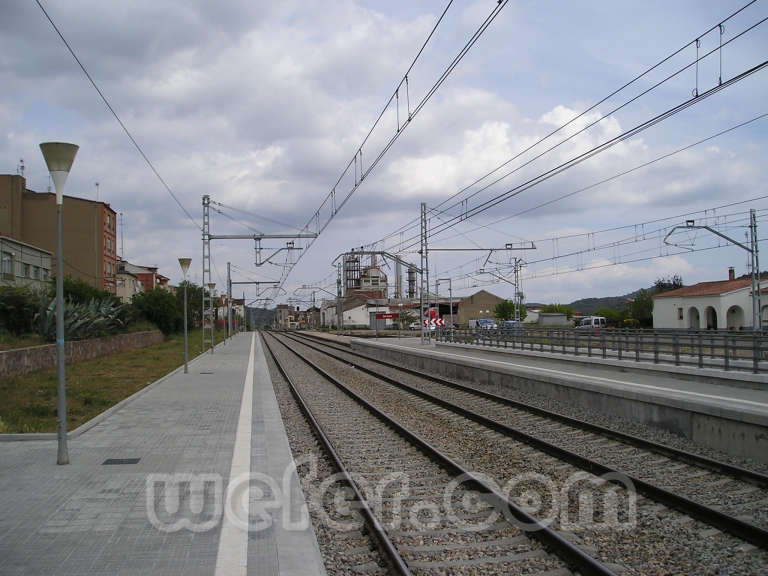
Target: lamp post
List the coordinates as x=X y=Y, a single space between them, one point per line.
x=184 y=263
x=211 y=286
x=59 y=157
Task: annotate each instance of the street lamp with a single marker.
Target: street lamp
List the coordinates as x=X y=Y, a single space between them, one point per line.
x=211 y=286
x=59 y=157
x=184 y=263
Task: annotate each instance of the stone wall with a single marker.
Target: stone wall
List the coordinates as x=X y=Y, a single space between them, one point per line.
x=24 y=360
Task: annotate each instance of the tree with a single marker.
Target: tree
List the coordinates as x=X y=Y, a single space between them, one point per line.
x=194 y=302
x=505 y=310
x=18 y=306
x=641 y=308
x=557 y=309
x=612 y=317
x=79 y=291
x=665 y=284
x=159 y=307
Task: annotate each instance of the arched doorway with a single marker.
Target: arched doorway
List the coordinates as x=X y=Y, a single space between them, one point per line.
x=735 y=318
x=711 y=318
x=693 y=318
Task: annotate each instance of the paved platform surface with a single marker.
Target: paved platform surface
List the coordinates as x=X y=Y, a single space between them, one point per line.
x=747 y=404
x=91 y=518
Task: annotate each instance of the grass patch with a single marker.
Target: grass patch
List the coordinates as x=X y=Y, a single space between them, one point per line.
x=28 y=401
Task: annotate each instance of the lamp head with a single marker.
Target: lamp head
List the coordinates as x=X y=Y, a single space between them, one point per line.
x=184 y=263
x=211 y=286
x=59 y=157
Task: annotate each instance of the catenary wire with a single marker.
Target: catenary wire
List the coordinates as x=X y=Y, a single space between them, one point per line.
x=414 y=223
x=117 y=117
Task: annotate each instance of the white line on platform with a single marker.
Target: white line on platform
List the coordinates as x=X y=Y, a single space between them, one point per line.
x=232 y=557
x=609 y=380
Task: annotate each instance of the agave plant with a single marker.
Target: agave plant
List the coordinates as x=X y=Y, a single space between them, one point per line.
x=89 y=320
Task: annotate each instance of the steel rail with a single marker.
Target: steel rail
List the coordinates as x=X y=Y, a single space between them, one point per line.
x=711 y=464
x=571 y=554
x=392 y=556
x=741 y=529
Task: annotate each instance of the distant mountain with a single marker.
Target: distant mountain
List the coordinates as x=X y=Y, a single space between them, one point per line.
x=259 y=317
x=588 y=306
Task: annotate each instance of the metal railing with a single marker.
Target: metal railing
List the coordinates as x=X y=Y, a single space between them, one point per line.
x=719 y=349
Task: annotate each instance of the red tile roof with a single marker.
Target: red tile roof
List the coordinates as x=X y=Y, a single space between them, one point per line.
x=708 y=288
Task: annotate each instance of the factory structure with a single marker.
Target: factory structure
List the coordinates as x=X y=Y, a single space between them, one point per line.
x=371 y=283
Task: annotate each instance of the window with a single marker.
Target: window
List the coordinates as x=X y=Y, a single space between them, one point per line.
x=6 y=265
x=679 y=313
x=25 y=271
x=44 y=275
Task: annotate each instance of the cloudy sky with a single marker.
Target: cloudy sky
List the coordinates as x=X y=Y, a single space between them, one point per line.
x=261 y=105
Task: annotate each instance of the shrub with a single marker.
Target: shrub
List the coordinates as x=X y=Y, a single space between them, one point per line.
x=160 y=307
x=91 y=320
x=558 y=309
x=79 y=291
x=18 y=306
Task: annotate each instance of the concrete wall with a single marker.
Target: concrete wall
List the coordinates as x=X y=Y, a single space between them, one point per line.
x=23 y=360
x=738 y=434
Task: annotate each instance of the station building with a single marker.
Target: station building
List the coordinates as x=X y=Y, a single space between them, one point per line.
x=716 y=305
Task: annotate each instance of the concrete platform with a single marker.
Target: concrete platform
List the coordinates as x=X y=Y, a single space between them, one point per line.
x=196 y=436
x=733 y=419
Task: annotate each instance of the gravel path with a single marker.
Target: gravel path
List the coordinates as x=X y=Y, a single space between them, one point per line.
x=438 y=528
x=663 y=541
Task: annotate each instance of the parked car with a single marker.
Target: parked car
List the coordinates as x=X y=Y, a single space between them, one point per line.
x=592 y=323
x=512 y=326
x=483 y=324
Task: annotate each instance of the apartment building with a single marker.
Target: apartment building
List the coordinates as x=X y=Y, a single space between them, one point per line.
x=89 y=230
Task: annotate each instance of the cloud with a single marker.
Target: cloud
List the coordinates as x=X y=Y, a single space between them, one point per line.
x=261 y=105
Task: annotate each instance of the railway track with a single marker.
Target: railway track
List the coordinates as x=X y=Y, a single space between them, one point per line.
x=443 y=413
x=437 y=524
x=544 y=415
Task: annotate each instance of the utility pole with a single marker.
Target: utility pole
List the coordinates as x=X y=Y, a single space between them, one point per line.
x=423 y=252
x=518 y=292
x=206 y=263
x=754 y=259
x=229 y=302
x=757 y=309
x=339 y=302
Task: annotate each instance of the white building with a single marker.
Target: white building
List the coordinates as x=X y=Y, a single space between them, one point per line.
x=725 y=304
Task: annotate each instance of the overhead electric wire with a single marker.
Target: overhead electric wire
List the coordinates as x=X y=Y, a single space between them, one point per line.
x=414 y=222
x=236 y=221
x=254 y=215
x=615 y=176
x=578 y=159
x=331 y=197
x=613 y=111
x=654 y=234
x=119 y=121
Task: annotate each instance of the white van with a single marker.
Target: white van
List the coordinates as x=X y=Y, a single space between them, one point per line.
x=591 y=323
